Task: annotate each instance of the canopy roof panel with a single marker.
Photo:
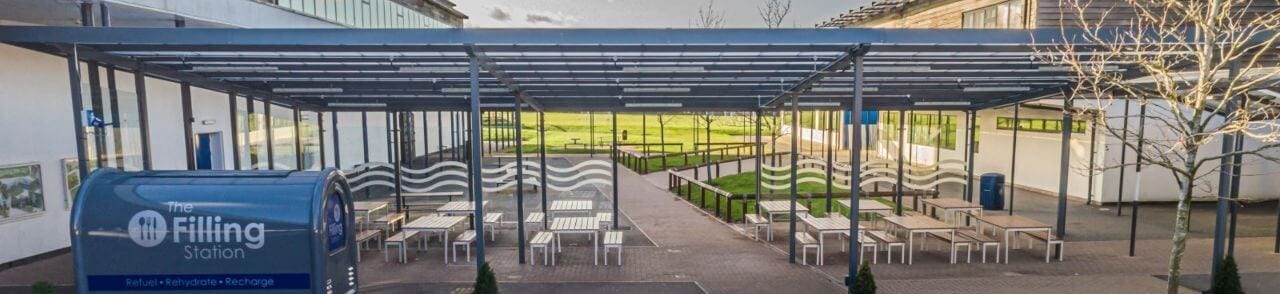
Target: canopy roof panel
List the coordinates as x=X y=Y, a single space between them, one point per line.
x=581 y=69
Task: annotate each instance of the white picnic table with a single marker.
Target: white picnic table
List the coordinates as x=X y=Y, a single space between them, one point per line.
x=570 y=206
x=951 y=208
x=923 y=225
x=829 y=225
x=588 y=225
x=1011 y=224
x=460 y=207
x=771 y=208
x=366 y=208
x=865 y=205
x=440 y=224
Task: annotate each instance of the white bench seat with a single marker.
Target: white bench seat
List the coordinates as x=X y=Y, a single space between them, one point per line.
x=400 y=240
x=605 y=219
x=955 y=241
x=888 y=242
x=535 y=219
x=491 y=223
x=543 y=240
x=1049 y=241
x=807 y=242
x=465 y=239
x=983 y=242
x=612 y=239
x=758 y=222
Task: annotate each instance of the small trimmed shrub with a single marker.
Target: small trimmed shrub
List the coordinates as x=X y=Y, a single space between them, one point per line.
x=864 y=282
x=1228 y=279
x=486 y=282
x=42 y=287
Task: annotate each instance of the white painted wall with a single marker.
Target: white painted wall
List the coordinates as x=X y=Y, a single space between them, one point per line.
x=38 y=127
x=1157 y=183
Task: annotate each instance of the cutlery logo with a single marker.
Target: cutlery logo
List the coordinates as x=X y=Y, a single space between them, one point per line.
x=148 y=228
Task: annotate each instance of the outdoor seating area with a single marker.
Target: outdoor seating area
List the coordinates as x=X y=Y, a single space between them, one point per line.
x=955 y=227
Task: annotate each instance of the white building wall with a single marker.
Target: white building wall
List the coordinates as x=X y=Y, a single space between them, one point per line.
x=211 y=112
x=38 y=128
x=1158 y=184
x=1038 y=154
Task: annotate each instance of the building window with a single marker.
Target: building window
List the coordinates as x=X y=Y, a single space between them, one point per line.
x=923 y=129
x=1004 y=15
x=1039 y=125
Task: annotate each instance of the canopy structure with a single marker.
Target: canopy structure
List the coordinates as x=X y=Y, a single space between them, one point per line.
x=615 y=70
x=581 y=69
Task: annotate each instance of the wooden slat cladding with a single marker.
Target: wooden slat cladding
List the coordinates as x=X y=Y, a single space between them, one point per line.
x=928 y=14
x=1121 y=13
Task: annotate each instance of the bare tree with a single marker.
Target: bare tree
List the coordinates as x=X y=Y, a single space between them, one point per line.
x=774 y=12
x=1201 y=66
x=663 y=120
x=709 y=17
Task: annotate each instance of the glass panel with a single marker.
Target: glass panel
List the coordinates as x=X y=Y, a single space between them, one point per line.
x=241 y=136
x=310 y=141
x=282 y=138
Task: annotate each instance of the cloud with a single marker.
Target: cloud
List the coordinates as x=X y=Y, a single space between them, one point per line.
x=499 y=15
x=538 y=18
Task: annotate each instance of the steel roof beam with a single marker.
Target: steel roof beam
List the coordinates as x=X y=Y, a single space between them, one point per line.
x=502 y=77
x=803 y=85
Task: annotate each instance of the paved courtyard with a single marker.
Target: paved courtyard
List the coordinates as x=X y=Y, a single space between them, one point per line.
x=679 y=248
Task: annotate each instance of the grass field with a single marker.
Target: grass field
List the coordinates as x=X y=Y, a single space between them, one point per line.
x=811 y=195
x=563 y=128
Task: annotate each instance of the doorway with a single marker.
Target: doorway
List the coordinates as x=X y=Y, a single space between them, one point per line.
x=209 y=151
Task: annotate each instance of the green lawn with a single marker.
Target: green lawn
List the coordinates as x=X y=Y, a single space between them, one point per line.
x=811 y=195
x=563 y=127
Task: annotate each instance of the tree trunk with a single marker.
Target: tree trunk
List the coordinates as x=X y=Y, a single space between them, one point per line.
x=1182 y=222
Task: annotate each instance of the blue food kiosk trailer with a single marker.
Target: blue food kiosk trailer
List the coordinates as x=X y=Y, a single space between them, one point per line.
x=214 y=231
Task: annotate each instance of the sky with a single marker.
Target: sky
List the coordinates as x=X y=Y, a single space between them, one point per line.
x=638 y=13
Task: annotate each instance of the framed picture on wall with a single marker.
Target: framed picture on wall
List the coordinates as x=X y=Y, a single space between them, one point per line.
x=21 y=191
x=71 y=177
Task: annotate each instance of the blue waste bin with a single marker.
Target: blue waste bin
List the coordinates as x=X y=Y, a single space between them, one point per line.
x=991 y=194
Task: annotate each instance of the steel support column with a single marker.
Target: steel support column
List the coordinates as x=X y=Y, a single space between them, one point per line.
x=95 y=103
x=759 y=161
x=426 y=142
x=1064 y=168
x=232 y=101
x=144 y=125
x=337 y=142
x=795 y=156
x=1013 y=156
x=297 y=139
x=1093 y=154
x=1137 y=186
x=542 y=163
x=830 y=153
x=476 y=159
x=519 y=183
x=855 y=178
x=970 y=116
x=1220 y=214
x=613 y=156
x=1235 y=190
x=77 y=110
x=439 y=137
x=364 y=135
x=320 y=137
x=897 y=187
x=271 y=146
x=187 y=134
x=114 y=107
x=1124 y=158
x=398 y=155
